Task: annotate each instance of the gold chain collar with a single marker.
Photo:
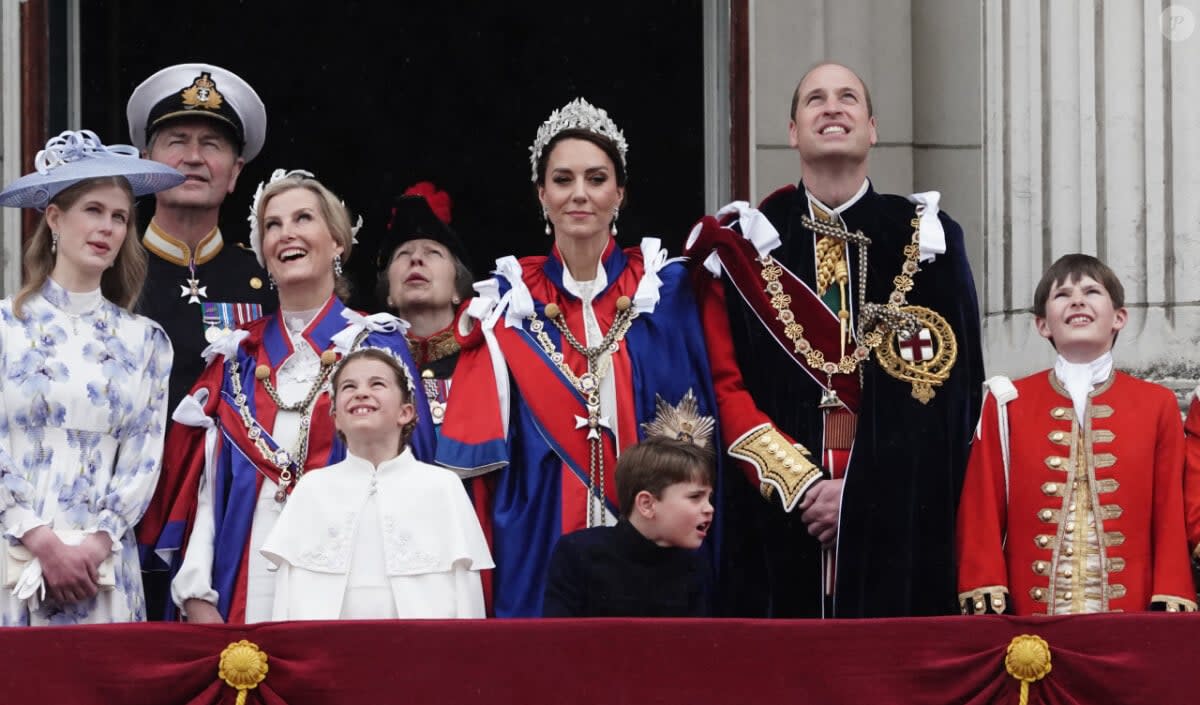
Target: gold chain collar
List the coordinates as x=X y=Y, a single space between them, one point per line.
x=291 y=465
x=888 y=317
x=588 y=384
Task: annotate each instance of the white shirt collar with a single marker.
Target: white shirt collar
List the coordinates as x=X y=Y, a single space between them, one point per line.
x=862 y=190
x=1079 y=378
x=585 y=290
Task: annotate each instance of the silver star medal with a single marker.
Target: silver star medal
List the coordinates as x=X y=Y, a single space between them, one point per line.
x=193 y=291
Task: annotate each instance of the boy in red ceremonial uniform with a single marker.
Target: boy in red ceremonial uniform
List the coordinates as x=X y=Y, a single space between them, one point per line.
x=1073 y=499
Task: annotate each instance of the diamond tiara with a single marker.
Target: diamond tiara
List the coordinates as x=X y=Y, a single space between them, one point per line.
x=577 y=114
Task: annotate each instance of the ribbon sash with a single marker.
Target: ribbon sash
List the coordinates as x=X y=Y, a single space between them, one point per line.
x=821 y=326
x=554 y=405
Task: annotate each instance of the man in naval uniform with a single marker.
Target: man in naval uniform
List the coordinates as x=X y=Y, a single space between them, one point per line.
x=843 y=329
x=206 y=122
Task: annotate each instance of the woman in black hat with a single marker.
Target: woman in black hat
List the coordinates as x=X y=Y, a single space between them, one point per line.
x=424 y=279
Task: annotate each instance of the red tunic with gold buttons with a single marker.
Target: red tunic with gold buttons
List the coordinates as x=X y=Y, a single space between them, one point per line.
x=1089 y=516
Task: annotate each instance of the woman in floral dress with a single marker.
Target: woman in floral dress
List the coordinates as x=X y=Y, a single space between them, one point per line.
x=84 y=390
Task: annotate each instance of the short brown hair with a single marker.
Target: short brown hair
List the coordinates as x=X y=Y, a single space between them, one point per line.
x=796 y=92
x=121 y=283
x=657 y=463
x=1071 y=268
x=406 y=395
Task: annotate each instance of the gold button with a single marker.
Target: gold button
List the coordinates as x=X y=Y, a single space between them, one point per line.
x=1046 y=514
x=1051 y=488
x=788 y=463
x=1037 y=593
x=1057 y=436
x=1071 y=507
x=997 y=602
x=255 y=283
x=1070 y=551
x=1059 y=413
x=1039 y=567
x=1067 y=595
x=979 y=605
x=1055 y=462
x=765 y=440
x=1068 y=572
x=426 y=374
x=773 y=447
x=1070 y=526
x=781 y=454
x=1043 y=540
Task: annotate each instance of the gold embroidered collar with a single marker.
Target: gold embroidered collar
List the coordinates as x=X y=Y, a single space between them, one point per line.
x=176 y=251
x=437 y=346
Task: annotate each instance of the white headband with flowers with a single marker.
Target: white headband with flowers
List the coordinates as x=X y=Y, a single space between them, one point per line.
x=256 y=235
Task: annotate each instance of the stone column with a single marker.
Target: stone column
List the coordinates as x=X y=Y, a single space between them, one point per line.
x=1092 y=144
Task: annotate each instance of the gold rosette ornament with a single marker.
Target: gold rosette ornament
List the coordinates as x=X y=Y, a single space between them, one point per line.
x=1027 y=660
x=243 y=666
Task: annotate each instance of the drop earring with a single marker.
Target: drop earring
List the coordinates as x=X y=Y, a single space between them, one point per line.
x=546 y=217
x=53 y=243
x=337 y=265
x=616 y=214
x=271 y=281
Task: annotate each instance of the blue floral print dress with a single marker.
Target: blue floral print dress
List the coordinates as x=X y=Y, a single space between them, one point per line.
x=83 y=396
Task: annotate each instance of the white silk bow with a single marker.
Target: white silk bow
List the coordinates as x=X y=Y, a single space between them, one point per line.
x=356 y=323
x=226 y=345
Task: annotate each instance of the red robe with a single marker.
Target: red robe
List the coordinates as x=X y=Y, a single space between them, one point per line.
x=1133 y=445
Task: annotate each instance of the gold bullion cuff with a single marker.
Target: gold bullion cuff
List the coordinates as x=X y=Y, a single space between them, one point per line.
x=992 y=599
x=781 y=467
x=1173 y=603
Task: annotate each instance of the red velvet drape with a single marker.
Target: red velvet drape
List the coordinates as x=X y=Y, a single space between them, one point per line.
x=1146 y=658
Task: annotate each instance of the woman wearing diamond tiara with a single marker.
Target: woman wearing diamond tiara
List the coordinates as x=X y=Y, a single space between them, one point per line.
x=563 y=356
x=83 y=396
x=258 y=418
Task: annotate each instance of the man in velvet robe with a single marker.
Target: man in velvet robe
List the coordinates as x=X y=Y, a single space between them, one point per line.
x=851 y=415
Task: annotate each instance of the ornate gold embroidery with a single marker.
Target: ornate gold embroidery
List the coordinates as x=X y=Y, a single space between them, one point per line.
x=1103 y=436
x=1107 y=485
x=1104 y=460
x=1114 y=538
x=924 y=373
x=436 y=347
x=202 y=93
x=1110 y=511
x=992 y=599
x=1101 y=411
x=1116 y=565
x=780 y=466
x=1116 y=592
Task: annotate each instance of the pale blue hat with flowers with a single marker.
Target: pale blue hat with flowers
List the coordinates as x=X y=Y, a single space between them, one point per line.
x=75 y=156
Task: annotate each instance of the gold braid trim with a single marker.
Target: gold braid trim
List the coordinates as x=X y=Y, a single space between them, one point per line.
x=1174 y=603
x=781 y=467
x=991 y=599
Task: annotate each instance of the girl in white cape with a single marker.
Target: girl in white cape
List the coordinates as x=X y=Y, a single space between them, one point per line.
x=379 y=535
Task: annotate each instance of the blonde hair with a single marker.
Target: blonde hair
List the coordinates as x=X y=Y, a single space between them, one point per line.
x=333 y=212
x=121 y=283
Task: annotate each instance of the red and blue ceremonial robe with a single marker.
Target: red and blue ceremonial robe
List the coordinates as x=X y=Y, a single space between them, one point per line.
x=237 y=465
x=513 y=417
